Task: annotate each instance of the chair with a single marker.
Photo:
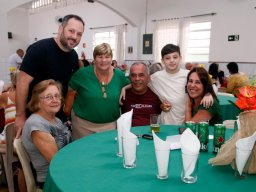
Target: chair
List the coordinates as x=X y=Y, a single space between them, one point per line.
x=229 y=124
x=25 y=163
x=6 y=151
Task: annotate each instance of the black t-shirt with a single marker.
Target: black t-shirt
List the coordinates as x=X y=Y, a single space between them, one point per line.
x=45 y=60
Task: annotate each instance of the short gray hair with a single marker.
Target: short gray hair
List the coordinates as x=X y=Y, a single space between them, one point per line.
x=140 y=63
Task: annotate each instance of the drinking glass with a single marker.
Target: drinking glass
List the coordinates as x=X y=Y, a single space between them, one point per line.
x=155 y=123
x=129 y=152
x=189 y=167
x=162 y=161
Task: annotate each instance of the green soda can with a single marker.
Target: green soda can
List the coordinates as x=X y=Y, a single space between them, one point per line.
x=219 y=137
x=203 y=134
x=191 y=125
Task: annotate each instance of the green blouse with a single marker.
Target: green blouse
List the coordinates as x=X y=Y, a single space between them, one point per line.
x=90 y=103
x=214 y=110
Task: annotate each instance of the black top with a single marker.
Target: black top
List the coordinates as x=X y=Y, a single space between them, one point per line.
x=45 y=60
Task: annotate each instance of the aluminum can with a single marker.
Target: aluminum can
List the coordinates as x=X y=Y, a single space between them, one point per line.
x=218 y=137
x=203 y=135
x=191 y=125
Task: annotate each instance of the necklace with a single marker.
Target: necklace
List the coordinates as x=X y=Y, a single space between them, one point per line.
x=103 y=84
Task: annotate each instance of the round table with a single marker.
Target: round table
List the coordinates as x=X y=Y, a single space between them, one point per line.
x=91 y=164
x=228 y=110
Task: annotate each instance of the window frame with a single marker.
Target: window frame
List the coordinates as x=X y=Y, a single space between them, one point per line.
x=109 y=39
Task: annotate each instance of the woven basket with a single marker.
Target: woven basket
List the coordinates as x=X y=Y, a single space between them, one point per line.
x=227 y=153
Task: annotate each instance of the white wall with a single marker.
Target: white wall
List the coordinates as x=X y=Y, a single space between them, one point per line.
x=94 y=15
x=18 y=25
x=233 y=17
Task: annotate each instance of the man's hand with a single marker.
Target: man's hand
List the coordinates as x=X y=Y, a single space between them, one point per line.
x=166 y=106
x=19 y=123
x=207 y=100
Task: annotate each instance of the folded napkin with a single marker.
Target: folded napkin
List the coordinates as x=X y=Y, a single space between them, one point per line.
x=190 y=147
x=130 y=142
x=243 y=150
x=174 y=141
x=162 y=151
x=238 y=123
x=123 y=123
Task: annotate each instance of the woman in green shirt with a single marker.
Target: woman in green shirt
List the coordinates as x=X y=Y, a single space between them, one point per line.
x=97 y=87
x=198 y=84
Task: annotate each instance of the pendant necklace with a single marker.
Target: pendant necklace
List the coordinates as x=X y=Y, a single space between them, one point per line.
x=103 y=85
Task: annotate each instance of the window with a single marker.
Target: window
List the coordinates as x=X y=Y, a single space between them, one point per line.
x=198 y=42
x=192 y=37
x=105 y=37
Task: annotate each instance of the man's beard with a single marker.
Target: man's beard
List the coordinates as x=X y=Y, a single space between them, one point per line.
x=63 y=42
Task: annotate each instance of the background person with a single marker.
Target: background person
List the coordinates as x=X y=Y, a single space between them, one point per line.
x=236 y=79
x=155 y=67
x=43 y=133
x=83 y=62
x=218 y=76
x=53 y=58
x=191 y=65
x=198 y=85
x=114 y=63
x=15 y=59
x=98 y=87
x=7 y=102
x=140 y=98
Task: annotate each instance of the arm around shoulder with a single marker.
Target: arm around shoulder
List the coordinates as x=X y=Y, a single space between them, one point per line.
x=69 y=100
x=22 y=87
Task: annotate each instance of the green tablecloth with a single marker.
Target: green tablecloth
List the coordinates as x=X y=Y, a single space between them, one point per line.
x=91 y=164
x=228 y=110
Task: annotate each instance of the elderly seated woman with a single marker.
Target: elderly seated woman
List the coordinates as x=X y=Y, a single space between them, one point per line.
x=198 y=84
x=43 y=133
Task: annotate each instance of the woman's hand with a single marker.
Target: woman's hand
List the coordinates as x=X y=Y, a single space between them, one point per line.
x=207 y=100
x=166 y=106
x=188 y=113
x=188 y=103
x=123 y=93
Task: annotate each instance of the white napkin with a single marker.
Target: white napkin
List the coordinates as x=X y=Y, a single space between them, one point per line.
x=190 y=146
x=243 y=150
x=162 y=151
x=238 y=123
x=123 y=123
x=1 y=86
x=174 y=141
x=130 y=142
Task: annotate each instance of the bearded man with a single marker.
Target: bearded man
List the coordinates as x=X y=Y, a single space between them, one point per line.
x=52 y=58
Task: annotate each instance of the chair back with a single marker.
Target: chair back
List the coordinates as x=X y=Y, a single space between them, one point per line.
x=6 y=151
x=25 y=163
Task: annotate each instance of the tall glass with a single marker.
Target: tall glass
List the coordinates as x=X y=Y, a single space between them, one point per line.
x=189 y=167
x=155 y=123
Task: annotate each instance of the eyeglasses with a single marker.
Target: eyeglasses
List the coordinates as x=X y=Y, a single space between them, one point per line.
x=51 y=97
